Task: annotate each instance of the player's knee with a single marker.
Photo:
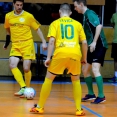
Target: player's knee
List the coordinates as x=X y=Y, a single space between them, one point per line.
x=85 y=72
x=95 y=71
x=11 y=65
x=26 y=69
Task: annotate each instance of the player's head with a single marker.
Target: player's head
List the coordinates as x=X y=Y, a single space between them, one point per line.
x=65 y=9
x=18 y=5
x=79 y=5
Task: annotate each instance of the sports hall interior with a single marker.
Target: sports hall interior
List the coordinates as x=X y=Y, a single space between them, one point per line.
x=60 y=102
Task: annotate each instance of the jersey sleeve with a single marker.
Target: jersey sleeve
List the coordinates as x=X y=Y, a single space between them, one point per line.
x=112 y=19
x=93 y=19
x=6 y=23
x=52 y=30
x=34 y=23
x=82 y=35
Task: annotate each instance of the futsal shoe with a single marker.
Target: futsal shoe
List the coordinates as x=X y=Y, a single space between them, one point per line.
x=113 y=80
x=20 y=92
x=98 y=100
x=88 y=97
x=80 y=113
x=36 y=109
x=22 y=96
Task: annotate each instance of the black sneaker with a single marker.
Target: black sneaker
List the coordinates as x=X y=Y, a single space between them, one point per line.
x=99 y=100
x=88 y=97
x=113 y=80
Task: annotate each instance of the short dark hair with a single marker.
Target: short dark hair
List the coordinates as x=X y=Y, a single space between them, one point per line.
x=81 y=1
x=14 y=1
x=65 y=7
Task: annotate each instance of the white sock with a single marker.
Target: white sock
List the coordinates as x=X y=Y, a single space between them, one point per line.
x=116 y=74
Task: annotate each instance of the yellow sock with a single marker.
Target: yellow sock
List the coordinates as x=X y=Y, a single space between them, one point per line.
x=77 y=93
x=18 y=76
x=45 y=91
x=27 y=77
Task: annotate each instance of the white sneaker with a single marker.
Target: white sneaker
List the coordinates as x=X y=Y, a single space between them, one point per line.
x=20 y=92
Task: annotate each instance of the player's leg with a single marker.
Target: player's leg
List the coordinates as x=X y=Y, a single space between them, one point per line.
x=99 y=81
x=46 y=88
x=13 y=61
x=77 y=92
x=27 y=72
x=114 y=56
x=74 y=68
x=44 y=93
x=28 y=54
x=115 y=68
x=89 y=82
x=53 y=69
x=98 y=61
x=86 y=69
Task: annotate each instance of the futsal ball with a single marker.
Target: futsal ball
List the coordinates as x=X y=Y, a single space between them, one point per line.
x=29 y=93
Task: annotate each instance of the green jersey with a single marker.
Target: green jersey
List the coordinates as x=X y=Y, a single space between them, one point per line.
x=114 y=21
x=90 y=22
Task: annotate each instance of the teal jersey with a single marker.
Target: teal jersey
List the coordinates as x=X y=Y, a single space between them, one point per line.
x=114 y=21
x=90 y=22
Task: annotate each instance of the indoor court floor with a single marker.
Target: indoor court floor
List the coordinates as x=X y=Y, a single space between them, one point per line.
x=59 y=104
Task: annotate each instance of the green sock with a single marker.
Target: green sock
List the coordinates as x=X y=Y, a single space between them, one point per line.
x=99 y=81
x=89 y=83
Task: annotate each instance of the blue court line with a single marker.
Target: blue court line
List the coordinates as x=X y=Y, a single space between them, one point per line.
x=91 y=111
x=115 y=84
x=35 y=82
x=55 y=82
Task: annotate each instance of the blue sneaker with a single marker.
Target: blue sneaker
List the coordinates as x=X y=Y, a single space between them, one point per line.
x=88 y=97
x=99 y=100
x=113 y=80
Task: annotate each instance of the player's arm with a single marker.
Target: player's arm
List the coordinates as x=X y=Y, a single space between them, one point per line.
x=84 y=48
x=112 y=24
x=7 y=42
x=44 y=45
x=96 y=36
x=93 y=21
x=50 y=50
x=112 y=21
x=50 y=47
x=97 y=32
x=35 y=25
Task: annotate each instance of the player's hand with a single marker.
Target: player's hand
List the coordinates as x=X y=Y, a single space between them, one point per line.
x=4 y=47
x=84 y=61
x=92 y=46
x=44 y=46
x=47 y=62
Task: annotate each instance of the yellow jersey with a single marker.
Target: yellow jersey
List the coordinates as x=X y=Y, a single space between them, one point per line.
x=20 y=25
x=67 y=33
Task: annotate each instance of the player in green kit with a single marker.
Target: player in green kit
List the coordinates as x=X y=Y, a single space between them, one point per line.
x=114 y=47
x=96 y=51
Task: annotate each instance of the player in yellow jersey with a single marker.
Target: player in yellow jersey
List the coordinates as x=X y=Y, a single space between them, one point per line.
x=64 y=36
x=18 y=25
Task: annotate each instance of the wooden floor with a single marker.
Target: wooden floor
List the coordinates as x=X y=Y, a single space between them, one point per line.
x=59 y=104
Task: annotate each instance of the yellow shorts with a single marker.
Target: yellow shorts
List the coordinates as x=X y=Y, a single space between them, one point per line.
x=57 y=66
x=25 y=49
